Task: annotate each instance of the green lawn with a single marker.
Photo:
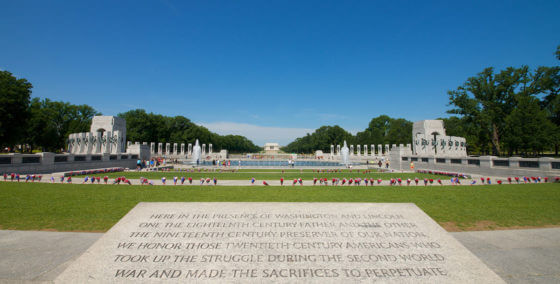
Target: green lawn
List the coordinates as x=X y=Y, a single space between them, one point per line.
x=270 y=175
x=73 y=207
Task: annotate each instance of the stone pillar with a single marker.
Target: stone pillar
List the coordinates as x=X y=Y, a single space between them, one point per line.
x=167 y=148
x=351 y=150
x=108 y=135
x=442 y=149
x=514 y=162
x=98 y=143
x=379 y=150
x=486 y=162
x=117 y=145
x=359 y=149
x=152 y=148
x=338 y=150
x=128 y=143
x=77 y=143
x=70 y=143
x=386 y=149
x=372 y=150
x=47 y=158
x=203 y=151
x=189 y=149
x=209 y=148
x=463 y=147
x=114 y=142
x=160 y=149
x=332 y=150
x=182 y=149
x=89 y=145
x=545 y=164
x=83 y=145
x=175 y=149
x=365 y=150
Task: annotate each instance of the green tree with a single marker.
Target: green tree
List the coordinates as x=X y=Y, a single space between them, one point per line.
x=546 y=82
x=381 y=130
x=150 y=127
x=386 y=130
x=530 y=130
x=51 y=122
x=486 y=99
x=321 y=139
x=14 y=103
x=400 y=132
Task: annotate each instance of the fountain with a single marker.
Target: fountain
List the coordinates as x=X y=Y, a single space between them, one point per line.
x=345 y=151
x=196 y=153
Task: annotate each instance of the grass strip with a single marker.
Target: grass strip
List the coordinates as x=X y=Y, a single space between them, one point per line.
x=74 y=207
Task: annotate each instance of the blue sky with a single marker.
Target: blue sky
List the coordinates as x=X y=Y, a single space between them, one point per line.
x=270 y=70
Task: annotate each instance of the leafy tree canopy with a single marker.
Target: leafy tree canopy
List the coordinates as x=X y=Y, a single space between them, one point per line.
x=150 y=127
x=14 y=108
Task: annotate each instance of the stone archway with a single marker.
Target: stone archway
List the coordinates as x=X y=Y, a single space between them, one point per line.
x=101 y=130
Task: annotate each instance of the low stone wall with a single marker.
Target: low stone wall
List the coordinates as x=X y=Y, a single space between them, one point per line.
x=50 y=162
x=484 y=165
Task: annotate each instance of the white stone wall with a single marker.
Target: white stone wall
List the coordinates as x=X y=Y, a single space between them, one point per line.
x=110 y=139
x=109 y=123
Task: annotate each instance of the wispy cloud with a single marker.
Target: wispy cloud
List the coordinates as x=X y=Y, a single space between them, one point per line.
x=258 y=134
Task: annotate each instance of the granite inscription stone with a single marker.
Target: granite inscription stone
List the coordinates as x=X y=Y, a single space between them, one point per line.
x=277 y=242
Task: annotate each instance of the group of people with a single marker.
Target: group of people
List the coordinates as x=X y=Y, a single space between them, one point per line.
x=182 y=180
x=454 y=180
x=153 y=162
x=223 y=163
x=366 y=181
x=380 y=163
x=17 y=177
x=516 y=179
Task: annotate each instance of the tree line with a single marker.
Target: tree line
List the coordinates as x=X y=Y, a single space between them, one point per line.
x=39 y=124
x=515 y=111
x=507 y=112
x=149 y=127
x=45 y=124
x=381 y=130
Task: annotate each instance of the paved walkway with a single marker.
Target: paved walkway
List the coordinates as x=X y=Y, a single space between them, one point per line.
x=518 y=256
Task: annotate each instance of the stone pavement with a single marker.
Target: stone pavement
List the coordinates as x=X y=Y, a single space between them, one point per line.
x=518 y=256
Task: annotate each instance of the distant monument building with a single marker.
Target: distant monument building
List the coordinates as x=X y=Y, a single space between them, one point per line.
x=104 y=123
x=107 y=136
x=429 y=139
x=271 y=148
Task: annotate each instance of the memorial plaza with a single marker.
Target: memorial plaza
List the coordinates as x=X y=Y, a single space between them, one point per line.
x=256 y=241
x=279 y=142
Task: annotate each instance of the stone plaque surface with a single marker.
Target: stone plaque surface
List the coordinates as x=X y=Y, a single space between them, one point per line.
x=277 y=242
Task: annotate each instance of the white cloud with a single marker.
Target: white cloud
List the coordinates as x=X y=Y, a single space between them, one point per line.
x=258 y=134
